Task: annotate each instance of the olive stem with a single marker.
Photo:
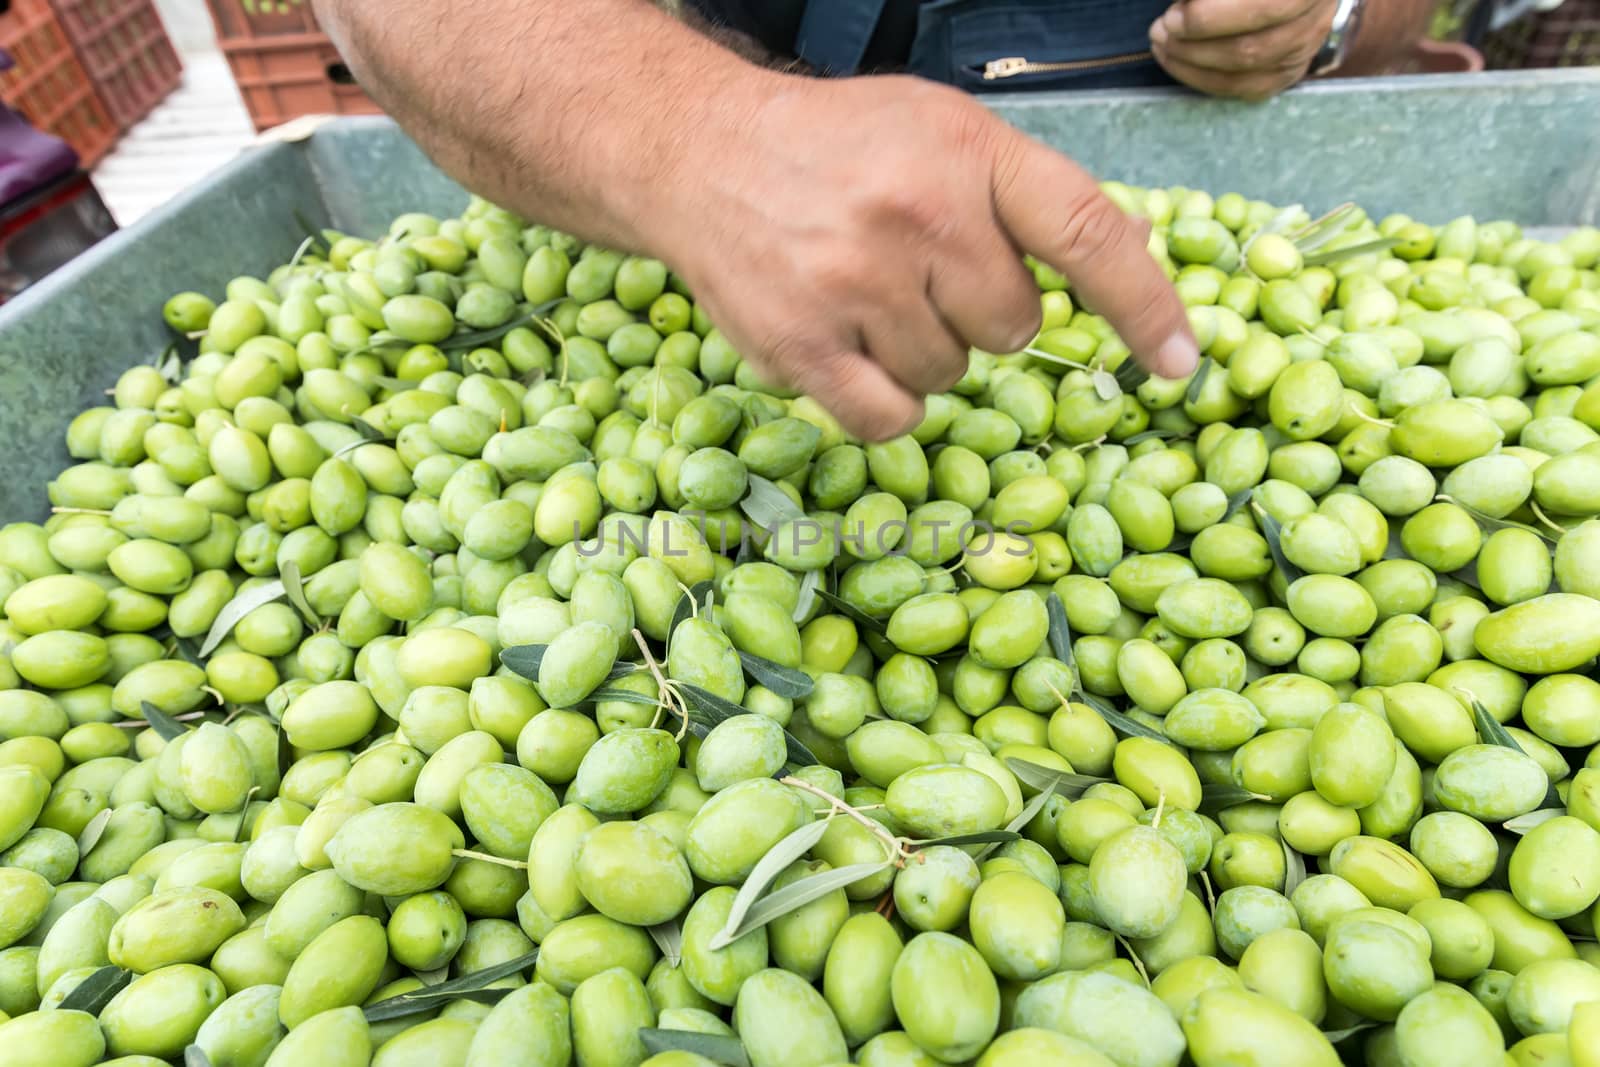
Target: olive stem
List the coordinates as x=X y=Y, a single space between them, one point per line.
x=1211 y=896
x=1308 y=335
x=898 y=855
x=1545 y=519
x=1086 y=445
x=669 y=699
x=469 y=854
x=1138 y=964
x=1364 y=417
x=78 y=511
x=1161 y=807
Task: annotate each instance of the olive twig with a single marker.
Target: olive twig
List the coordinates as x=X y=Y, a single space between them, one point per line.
x=1539 y=514
x=469 y=854
x=1211 y=896
x=898 y=853
x=1138 y=964
x=78 y=511
x=670 y=699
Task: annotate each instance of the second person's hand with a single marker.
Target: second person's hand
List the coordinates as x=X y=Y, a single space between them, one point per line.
x=854 y=237
x=1251 y=49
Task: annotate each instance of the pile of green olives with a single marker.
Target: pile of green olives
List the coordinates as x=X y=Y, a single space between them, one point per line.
x=463 y=656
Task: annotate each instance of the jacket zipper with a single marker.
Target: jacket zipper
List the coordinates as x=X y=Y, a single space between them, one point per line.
x=1012 y=66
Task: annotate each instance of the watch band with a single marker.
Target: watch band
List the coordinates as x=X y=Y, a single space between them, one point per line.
x=1346 y=18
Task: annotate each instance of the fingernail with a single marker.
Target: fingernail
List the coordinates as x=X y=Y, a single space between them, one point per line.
x=1172 y=21
x=1158 y=32
x=1021 y=339
x=1177 y=357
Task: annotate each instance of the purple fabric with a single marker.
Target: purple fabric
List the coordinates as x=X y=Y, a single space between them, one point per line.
x=29 y=158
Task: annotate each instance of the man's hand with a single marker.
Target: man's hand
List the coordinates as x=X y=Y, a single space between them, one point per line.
x=852 y=237
x=862 y=233
x=1251 y=49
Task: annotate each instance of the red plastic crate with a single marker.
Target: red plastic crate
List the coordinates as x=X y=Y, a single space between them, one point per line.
x=283 y=78
x=49 y=85
x=125 y=49
x=248 y=19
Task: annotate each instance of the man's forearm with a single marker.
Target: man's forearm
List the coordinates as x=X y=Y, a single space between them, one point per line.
x=583 y=116
x=1389 y=30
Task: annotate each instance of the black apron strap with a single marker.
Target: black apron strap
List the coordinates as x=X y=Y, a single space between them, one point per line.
x=834 y=34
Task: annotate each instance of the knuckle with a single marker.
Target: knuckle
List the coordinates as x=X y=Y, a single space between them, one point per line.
x=1090 y=226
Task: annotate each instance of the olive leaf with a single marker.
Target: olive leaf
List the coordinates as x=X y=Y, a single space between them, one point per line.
x=1191 y=395
x=1273 y=532
x=165 y=726
x=1060 y=632
x=785 y=681
x=981 y=837
x=285 y=751
x=1063 y=783
x=92 y=832
x=1122 y=723
x=1492 y=732
x=195 y=1056
x=1106 y=385
x=1490 y=729
x=807 y=597
x=1336 y=1036
x=792 y=847
x=1523 y=823
x=395 y=385
x=854 y=614
x=478 y=338
x=1129 y=376
x=1333 y=255
x=709 y=709
x=624 y=696
x=1215 y=796
x=95 y=992
x=1155 y=435
x=718 y=1048
x=1490 y=524
x=1237 y=501
x=1319 y=232
x=367 y=430
x=293 y=587
x=668 y=937
x=768 y=506
x=169 y=364
x=1294 y=867
x=689 y=604
x=1029 y=812
x=1277 y=224
x=525 y=660
x=236 y=609
x=797 y=895
x=468 y=987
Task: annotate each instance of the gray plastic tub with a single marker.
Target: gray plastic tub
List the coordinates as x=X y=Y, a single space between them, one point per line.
x=1523 y=145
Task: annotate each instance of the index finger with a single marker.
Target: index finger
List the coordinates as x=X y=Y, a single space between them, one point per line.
x=1199 y=20
x=1053 y=209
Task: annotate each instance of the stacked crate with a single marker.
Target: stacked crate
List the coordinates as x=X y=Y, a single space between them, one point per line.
x=125 y=49
x=284 y=64
x=48 y=84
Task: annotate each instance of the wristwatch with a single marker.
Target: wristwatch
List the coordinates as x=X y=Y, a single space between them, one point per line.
x=1331 y=56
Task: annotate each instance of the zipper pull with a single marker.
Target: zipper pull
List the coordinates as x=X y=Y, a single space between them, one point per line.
x=1004 y=68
